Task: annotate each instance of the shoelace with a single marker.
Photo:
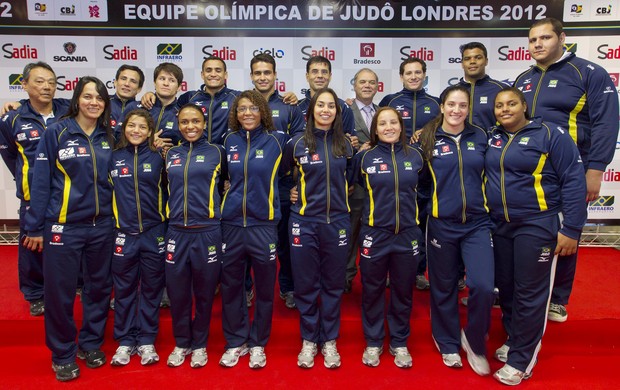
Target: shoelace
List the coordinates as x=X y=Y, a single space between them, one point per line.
x=178 y=351
x=400 y=351
x=256 y=351
x=330 y=350
x=373 y=351
x=307 y=350
x=146 y=349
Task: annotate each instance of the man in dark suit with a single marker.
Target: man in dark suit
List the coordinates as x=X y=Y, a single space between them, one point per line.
x=365 y=86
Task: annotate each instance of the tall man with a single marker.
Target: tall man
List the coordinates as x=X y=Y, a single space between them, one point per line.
x=417 y=108
x=20 y=132
x=365 y=85
x=579 y=96
x=128 y=83
x=288 y=119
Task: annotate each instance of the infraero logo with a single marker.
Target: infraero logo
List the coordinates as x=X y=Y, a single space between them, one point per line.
x=169 y=52
x=570 y=48
x=602 y=204
x=15 y=82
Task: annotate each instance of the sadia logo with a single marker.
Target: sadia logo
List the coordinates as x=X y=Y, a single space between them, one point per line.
x=225 y=53
x=169 y=52
x=508 y=54
x=367 y=49
x=124 y=54
x=607 y=53
x=422 y=53
x=275 y=53
x=70 y=48
x=15 y=82
x=611 y=175
x=309 y=51
x=24 y=52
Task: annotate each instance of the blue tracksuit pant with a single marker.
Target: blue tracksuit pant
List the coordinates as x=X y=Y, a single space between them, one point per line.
x=319 y=260
x=138 y=275
x=65 y=248
x=29 y=264
x=193 y=262
x=446 y=243
x=524 y=271
x=383 y=252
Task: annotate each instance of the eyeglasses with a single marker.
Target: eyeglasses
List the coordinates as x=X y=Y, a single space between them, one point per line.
x=241 y=110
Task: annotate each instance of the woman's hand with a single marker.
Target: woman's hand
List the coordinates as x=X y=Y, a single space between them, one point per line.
x=566 y=246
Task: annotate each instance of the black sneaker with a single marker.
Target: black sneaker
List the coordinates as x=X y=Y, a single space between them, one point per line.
x=94 y=359
x=37 y=308
x=66 y=372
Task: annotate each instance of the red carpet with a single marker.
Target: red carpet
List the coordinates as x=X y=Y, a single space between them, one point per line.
x=581 y=353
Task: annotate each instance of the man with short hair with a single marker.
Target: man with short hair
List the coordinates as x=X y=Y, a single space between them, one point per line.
x=365 y=85
x=417 y=108
x=580 y=96
x=128 y=83
x=20 y=133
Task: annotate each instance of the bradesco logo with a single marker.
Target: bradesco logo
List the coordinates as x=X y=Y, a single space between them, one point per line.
x=608 y=53
x=275 y=53
x=169 y=52
x=124 y=53
x=24 y=52
x=70 y=48
x=309 y=52
x=367 y=51
x=506 y=53
x=423 y=53
x=225 y=53
x=15 y=82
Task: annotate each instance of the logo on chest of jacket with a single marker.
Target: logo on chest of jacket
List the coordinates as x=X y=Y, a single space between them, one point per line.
x=66 y=153
x=483 y=100
x=408 y=166
x=146 y=167
x=471 y=145
x=545 y=255
x=200 y=159
x=259 y=153
x=524 y=140
x=553 y=83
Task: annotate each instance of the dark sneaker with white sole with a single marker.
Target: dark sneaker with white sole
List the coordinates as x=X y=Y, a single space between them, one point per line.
x=66 y=372
x=94 y=358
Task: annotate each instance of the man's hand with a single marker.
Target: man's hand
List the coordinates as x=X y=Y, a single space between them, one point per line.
x=148 y=100
x=416 y=136
x=355 y=142
x=34 y=244
x=290 y=98
x=8 y=106
x=566 y=246
x=294 y=195
x=593 y=182
x=162 y=143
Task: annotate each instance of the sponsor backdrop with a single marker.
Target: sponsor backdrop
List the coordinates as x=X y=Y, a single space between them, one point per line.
x=94 y=37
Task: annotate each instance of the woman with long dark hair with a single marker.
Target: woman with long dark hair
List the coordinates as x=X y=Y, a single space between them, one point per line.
x=389 y=238
x=458 y=227
x=70 y=217
x=250 y=215
x=535 y=187
x=319 y=225
x=138 y=260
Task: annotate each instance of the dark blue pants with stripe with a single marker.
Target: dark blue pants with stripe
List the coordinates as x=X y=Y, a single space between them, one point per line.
x=65 y=248
x=524 y=271
x=446 y=243
x=319 y=259
x=193 y=263
x=383 y=252
x=138 y=275
x=29 y=264
x=259 y=245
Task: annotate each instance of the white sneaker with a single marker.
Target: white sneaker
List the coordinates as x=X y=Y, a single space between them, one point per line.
x=123 y=355
x=501 y=353
x=230 y=358
x=452 y=360
x=305 y=359
x=402 y=357
x=509 y=375
x=478 y=363
x=177 y=357
x=331 y=355
x=199 y=358
x=258 y=359
x=371 y=356
x=148 y=354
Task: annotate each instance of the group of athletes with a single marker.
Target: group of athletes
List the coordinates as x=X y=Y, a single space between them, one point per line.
x=487 y=184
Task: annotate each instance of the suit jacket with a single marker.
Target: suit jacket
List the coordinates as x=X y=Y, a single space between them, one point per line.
x=363 y=134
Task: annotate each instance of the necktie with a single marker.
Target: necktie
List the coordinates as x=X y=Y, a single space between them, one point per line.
x=367 y=116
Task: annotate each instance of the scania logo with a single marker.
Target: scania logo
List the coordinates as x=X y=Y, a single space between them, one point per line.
x=518 y=54
x=69 y=47
x=275 y=53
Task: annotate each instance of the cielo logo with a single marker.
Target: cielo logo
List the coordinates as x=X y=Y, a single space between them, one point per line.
x=518 y=54
x=608 y=53
x=24 y=52
x=275 y=53
x=15 y=82
x=423 y=53
x=309 y=52
x=125 y=53
x=225 y=53
x=171 y=52
x=70 y=48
